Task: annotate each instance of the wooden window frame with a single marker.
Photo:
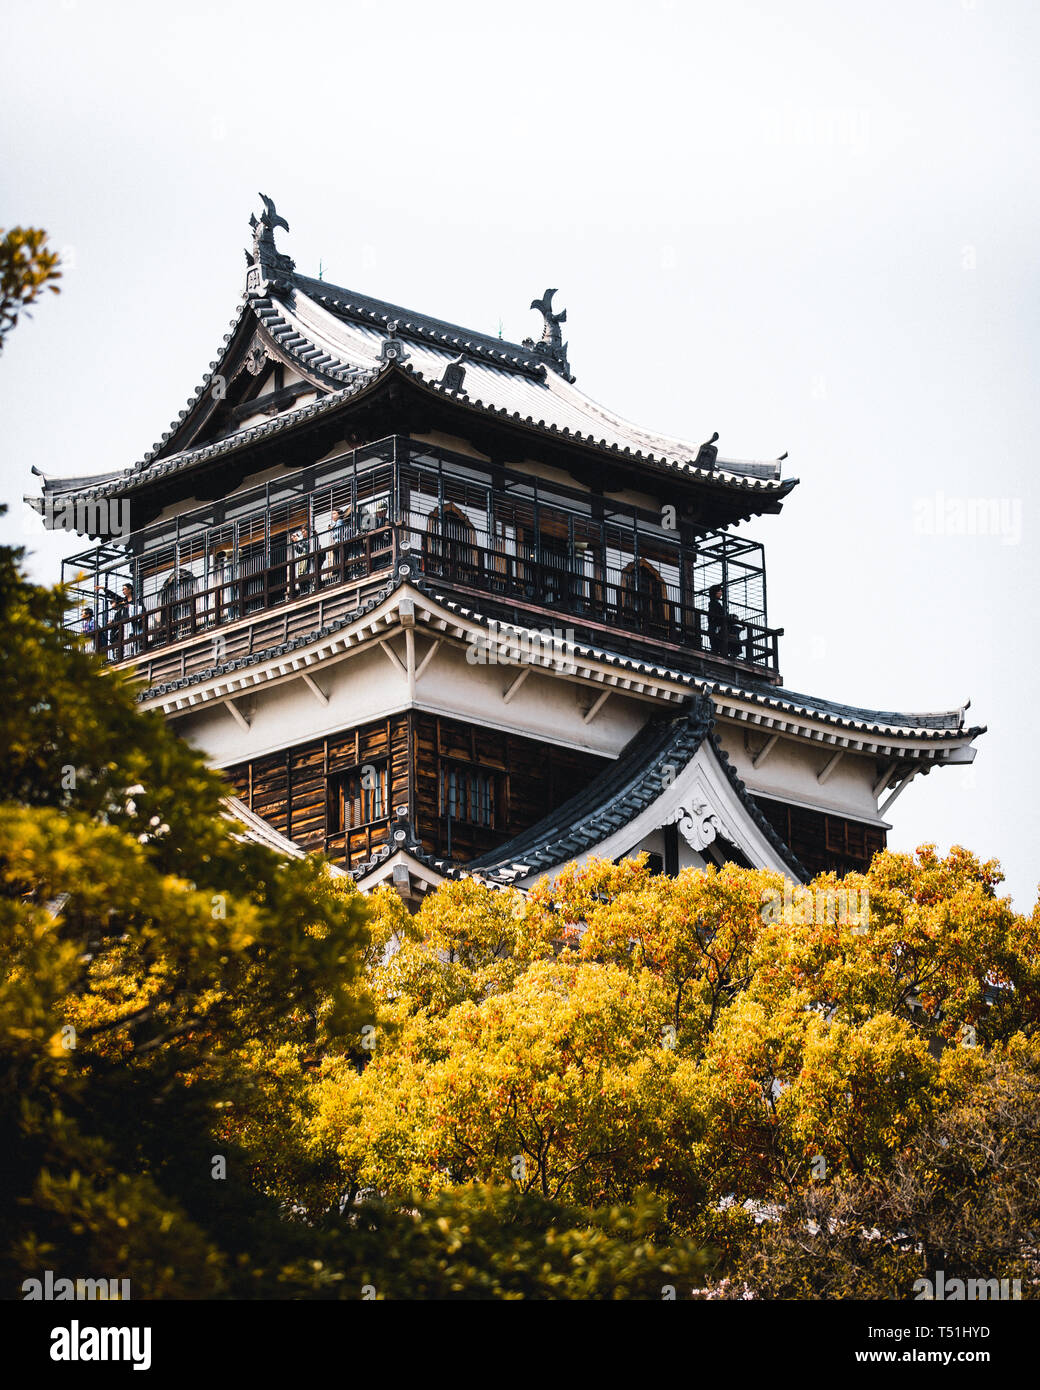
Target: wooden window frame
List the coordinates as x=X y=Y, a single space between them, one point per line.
x=338 y=800
x=487 y=797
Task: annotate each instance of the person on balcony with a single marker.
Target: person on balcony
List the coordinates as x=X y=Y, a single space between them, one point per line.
x=354 y=550
x=127 y=622
x=305 y=550
x=224 y=587
x=337 y=535
x=723 y=629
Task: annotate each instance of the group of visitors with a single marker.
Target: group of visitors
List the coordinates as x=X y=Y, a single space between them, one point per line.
x=119 y=626
x=337 y=555
x=122 y=635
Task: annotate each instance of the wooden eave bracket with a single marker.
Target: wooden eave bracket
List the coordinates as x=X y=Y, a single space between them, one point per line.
x=315 y=689
x=236 y=714
x=600 y=701
x=394 y=659
x=764 y=752
x=430 y=654
x=883 y=781
x=515 y=685
x=829 y=767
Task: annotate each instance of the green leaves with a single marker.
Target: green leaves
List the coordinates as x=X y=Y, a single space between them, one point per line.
x=226 y=1074
x=27 y=268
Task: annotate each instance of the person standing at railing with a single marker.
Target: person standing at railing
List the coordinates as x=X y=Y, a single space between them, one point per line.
x=135 y=627
x=723 y=630
x=354 y=529
x=124 y=636
x=88 y=626
x=110 y=628
x=224 y=588
x=305 y=551
x=337 y=537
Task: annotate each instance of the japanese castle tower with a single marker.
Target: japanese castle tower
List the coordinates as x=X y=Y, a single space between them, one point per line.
x=433 y=610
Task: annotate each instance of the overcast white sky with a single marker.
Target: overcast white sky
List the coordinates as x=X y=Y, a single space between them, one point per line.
x=813 y=227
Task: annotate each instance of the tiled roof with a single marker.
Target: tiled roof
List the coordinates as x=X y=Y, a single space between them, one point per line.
x=336 y=339
x=616 y=797
x=934 y=728
x=938 y=724
x=360 y=309
x=261 y=832
x=505 y=377
x=203 y=386
x=143 y=474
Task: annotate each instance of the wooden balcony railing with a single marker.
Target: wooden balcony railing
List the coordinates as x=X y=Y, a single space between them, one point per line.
x=286 y=558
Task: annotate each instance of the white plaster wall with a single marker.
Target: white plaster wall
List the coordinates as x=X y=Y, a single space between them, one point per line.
x=546 y=706
x=789 y=774
x=366 y=685
x=362 y=687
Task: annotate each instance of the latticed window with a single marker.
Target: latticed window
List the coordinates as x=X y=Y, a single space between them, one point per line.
x=467 y=794
x=358 y=797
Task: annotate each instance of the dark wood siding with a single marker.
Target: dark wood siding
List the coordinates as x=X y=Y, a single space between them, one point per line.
x=293 y=789
x=531 y=778
x=296 y=789
x=822 y=841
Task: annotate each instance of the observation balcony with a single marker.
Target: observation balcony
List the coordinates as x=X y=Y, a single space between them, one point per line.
x=288 y=557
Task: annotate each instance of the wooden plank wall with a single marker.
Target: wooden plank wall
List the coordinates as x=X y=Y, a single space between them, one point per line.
x=531 y=779
x=822 y=842
x=291 y=788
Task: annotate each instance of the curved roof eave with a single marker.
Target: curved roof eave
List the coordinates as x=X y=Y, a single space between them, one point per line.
x=620 y=793
x=139 y=477
x=948 y=728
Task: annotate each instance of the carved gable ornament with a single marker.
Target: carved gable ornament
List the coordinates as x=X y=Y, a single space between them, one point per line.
x=256 y=359
x=698 y=824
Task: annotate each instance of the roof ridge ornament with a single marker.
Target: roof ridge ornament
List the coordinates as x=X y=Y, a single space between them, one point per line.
x=266 y=262
x=454 y=377
x=393 y=349
x=551 y=346
x=707 y=454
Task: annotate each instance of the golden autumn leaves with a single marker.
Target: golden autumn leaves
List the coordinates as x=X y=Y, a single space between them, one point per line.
x=679 y=1041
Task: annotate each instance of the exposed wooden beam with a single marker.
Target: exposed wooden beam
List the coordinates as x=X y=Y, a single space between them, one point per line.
x=427 y=658
x=236 y=713
x=600 y=702
x=395 y=660
x=902 y=787
x=883 y=781
x=409 y=651
x=832 y=763
x=315 y=689
x=273 y=402
x=764 y=752
x=515 y=685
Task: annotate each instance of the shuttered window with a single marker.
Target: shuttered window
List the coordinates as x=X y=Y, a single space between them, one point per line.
x=358 y=797
x=467 y=794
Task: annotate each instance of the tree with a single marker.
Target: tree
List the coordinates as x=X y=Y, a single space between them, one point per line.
x=560 y=1085
x=173 y=1002
x=763 y=1078
x=961 y=1196
x=150 y=957
x=27 y=268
